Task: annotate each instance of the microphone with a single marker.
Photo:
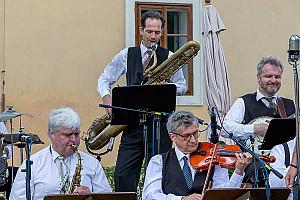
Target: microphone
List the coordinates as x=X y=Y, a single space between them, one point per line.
x=25 y=138
x=201 y=121
x=294 y=49
x=214 y=138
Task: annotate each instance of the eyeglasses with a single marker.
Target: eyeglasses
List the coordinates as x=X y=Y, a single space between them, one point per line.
x=189 y=136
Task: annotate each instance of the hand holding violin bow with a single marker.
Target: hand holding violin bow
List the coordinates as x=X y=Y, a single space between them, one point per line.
x=243 y=160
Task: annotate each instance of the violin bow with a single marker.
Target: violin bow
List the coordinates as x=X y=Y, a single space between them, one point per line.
x=209 y=170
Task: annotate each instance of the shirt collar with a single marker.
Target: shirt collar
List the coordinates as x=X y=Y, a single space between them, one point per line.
x=55 y=154
x=144 y=48
x=180 y=155
x=259 y=95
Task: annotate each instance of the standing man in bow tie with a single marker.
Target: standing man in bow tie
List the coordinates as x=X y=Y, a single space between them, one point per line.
x=263 y=102
x=132 y=62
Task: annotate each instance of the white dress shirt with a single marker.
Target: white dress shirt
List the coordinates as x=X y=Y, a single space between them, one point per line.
x=118 y=67
x=2 y=128
x=45 y=177
x=279 y=153
x=153 y=180
x=8 y=148
x=235 y=116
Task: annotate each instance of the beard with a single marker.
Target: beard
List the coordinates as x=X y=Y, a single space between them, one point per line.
x=272 y=89
x=269 y=89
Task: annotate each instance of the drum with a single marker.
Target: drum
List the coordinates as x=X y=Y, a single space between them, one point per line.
x=5 y=189
x=3 y=171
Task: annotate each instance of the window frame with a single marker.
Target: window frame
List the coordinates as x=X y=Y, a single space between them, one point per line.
x=131 y=33
x=165 y=35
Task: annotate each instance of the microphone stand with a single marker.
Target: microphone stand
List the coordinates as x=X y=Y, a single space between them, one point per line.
x=264 y=165
x=143 y=121
x=296 y=87
x=28 y=167
x=12 y=151
x=255 y=184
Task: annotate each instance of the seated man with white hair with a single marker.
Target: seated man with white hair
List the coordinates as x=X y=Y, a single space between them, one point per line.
x=53 y=167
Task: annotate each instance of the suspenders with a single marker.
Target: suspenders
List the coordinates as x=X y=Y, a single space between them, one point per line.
x=286 y=154
x=281 y=108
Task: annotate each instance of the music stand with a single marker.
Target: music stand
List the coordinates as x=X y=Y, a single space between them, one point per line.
x=280 y=130
x=245 y=193
x=94 y=196
x=156 y=98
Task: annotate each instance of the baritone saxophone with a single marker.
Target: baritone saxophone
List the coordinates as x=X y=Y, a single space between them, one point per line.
x=169 y=67
x=100 y=132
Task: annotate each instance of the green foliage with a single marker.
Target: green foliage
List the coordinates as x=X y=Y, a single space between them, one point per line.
x=109 y=172
x=230 y=171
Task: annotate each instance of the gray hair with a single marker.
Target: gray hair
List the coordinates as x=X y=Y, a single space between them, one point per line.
x=63 y=118
x=268 y=60
x=181 y=118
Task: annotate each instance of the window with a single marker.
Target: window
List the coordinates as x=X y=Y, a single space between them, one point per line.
x=180 y=27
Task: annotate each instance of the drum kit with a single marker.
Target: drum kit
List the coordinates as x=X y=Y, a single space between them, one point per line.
x=19 y=139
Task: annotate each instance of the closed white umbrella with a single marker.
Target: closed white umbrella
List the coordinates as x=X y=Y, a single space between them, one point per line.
x=217 y=90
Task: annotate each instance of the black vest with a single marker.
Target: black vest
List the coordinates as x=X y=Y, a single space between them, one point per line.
x=173 y=181
x=134 y=75
x=254 y=109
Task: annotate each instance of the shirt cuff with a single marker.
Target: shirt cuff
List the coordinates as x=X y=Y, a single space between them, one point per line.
x=236 y=178
x=245 y=131
x=249 y=129
x=104 y=93
x=177 y=197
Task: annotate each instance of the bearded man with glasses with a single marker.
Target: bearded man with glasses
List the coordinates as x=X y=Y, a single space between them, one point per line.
x=170 y=175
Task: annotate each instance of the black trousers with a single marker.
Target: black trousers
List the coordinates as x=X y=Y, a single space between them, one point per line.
x=131 y=155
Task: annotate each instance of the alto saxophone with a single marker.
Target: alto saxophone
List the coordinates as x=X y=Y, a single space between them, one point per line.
x=77 y=174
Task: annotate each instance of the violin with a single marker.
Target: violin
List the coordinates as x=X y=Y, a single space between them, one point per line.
x=224 y=156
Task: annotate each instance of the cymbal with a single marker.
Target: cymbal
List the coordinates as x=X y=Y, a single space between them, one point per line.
x=10 y=113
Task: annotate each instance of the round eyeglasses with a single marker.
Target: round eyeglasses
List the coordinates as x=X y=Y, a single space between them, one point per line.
x=189 y=136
